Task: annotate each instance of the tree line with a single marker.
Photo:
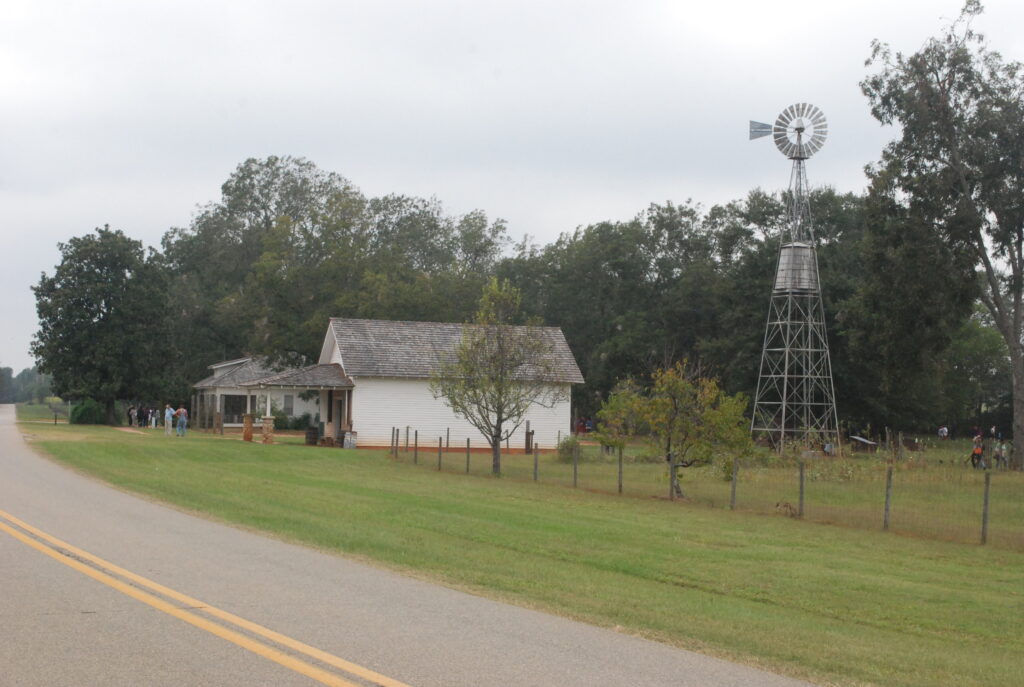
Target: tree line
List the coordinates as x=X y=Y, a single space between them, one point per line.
x=920 y=274
x=26 y=386
x=289 y=245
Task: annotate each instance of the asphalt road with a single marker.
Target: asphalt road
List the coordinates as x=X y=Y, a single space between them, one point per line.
x=80 y=565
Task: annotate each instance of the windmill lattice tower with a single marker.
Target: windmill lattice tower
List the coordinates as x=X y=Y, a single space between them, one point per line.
x=795 y=399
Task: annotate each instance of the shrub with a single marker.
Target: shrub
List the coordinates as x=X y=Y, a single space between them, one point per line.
x=566 y=448
x=302 y=421
x=88 y=412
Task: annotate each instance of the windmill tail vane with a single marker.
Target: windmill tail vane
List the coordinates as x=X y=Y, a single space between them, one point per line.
x=759 y=129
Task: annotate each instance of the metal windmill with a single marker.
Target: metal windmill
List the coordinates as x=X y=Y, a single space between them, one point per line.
x=795 y=399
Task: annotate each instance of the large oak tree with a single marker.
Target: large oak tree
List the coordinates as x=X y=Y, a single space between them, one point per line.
x=958 y=163
x=102 y=321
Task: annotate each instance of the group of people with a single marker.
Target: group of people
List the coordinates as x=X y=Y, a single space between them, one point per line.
x=147 y=417
x=979 y=458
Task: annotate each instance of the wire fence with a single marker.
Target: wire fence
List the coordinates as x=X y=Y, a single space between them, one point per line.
x=931 y=497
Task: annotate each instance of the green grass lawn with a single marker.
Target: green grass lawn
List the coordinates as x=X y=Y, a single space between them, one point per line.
x=831 y=604
x=34 y=412
x=934 y=494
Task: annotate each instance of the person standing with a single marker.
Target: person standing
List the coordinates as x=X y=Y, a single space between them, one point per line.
x=977 y=451
x=182 y=416
x=168 y=419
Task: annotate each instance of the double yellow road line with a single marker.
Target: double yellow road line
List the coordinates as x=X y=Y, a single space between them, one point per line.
x=117 y=578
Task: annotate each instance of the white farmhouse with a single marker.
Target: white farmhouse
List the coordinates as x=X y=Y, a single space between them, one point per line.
x=389 y=365
x=374 y=376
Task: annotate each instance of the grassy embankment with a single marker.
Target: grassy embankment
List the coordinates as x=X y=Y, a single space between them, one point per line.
x=830 y=604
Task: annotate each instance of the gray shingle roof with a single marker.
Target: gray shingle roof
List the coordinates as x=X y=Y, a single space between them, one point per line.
x=383 y=348
x=326 y=375
x=246 y=372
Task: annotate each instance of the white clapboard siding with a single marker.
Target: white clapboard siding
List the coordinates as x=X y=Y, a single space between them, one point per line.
x=379 y=403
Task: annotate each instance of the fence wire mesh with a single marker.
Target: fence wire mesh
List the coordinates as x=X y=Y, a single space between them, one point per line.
x=934 y=494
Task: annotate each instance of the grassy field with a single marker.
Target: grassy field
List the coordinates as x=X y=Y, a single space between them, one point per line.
x=35 y=412
x=934 y=495
x=831 y=604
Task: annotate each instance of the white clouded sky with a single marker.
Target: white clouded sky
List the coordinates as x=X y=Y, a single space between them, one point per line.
x=550 y=115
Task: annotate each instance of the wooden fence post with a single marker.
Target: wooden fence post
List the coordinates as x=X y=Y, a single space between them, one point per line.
x=984 y=509
x=439 y=454
x=575 y=464
x=447 y=438
x=888 y=497
x=535 y=462
x=735 y=478
x=620 y=469
x=800 y=509
x=407 y=438
x=671 y=478
x=416 y=448
x=467 y=455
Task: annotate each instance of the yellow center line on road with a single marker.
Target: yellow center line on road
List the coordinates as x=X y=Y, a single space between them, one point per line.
x=256 y=647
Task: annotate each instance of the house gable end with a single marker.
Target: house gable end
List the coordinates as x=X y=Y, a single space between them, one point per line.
x=329 y=352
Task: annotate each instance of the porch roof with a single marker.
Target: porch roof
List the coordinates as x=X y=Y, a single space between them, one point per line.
x=323 y=376
x=246 y=370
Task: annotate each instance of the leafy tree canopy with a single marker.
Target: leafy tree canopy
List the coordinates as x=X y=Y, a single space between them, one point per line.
x=101 y=320
x=499 y=370
x=957 y=166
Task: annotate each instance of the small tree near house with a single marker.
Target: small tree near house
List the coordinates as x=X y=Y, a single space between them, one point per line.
x=682 y=413
x=499 y=370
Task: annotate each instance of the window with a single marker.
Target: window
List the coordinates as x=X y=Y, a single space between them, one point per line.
x=289 y=404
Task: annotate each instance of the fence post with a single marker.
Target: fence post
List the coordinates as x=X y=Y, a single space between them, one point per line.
x=439 y=454
x=407 y=438
x=800 y=510
x=888 y=497
x=620 y=469
x=575 y=463
x=447 y=438
x=416 y=448
x=899 y=449
x=671 y=478
x=984 y=509
x=735 y=478
x=535 y=462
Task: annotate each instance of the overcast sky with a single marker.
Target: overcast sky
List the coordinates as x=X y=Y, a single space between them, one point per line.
x=550 y=115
